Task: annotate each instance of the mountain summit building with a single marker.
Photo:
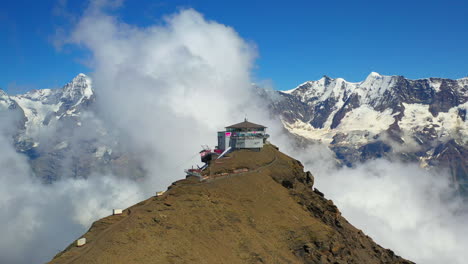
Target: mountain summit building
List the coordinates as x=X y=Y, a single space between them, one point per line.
x=244 y=135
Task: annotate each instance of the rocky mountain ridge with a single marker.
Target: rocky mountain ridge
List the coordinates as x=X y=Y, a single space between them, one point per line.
x=415 y=120
x=383 y=116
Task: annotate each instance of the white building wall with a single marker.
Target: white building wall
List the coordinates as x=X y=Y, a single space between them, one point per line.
x=248 y=143
x=226 y=139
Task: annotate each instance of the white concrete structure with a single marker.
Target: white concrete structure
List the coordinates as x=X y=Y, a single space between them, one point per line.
x=81 y=242
x=117 y=211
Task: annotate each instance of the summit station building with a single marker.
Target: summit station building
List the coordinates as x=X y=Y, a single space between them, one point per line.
x=244 y=135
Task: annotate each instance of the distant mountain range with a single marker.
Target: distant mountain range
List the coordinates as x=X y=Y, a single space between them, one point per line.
x=422 y=121
x=383 y=116
x=61 y=135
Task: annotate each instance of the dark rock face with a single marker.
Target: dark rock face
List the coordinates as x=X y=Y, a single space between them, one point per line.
x=284 y=103
x=429 y=116
x=351 y=103
x=376 y=149
x=462 y=114
x=322 y=111
x=448 y=97
x=453 y=156
x=409 y=91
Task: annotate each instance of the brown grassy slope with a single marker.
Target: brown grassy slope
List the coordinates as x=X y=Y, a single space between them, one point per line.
x=268 y=215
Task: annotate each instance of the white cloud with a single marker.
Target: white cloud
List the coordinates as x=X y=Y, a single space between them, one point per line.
x=39 y=220
x=168 y=88
x=403 y=207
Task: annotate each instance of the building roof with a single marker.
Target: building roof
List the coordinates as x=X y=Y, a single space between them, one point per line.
x=246 y=124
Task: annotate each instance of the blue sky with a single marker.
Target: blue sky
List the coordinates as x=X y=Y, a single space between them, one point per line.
x=297 y=40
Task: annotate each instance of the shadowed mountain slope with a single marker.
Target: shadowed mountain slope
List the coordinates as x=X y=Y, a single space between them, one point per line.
x=269 y=214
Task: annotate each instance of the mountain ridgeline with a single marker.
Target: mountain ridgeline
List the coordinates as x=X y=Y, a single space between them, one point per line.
x=423 y=121
x=420 y=121
x=267 y=214
x=60 y=133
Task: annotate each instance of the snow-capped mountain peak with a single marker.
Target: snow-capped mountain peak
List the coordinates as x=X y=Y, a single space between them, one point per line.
x=374 y=74
x=44 y=107
x=80 y=86
x=375 y=85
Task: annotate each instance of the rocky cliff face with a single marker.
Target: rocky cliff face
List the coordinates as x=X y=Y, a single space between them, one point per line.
x=269 y=214
x=383 y=116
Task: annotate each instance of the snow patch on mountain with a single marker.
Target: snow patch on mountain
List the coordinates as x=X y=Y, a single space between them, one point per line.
x=363 y=123
x=435 y=84
x=61 y=145
x=101 y=151
x=35 y=112
x=448 y=125
x=368 y=119
x=307 y=131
